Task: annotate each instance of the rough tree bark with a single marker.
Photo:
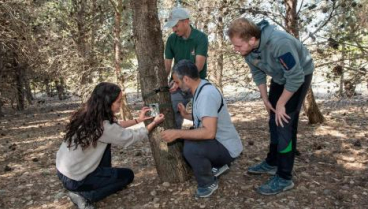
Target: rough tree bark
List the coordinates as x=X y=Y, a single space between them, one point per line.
x=46 y=82
x=28 y=90
x=220 y=43
x=291 y=22
x=19 y=77
x=149 y=49
x=125 y=110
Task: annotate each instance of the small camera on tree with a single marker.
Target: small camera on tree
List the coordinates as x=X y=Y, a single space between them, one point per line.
x=155 y=110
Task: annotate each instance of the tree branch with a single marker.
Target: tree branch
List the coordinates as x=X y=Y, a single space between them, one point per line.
x=323 y=25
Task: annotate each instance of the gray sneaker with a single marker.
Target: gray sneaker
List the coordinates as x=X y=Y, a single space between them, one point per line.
x=275 y=185
x=218 y=171
x=80 y=201
x=207 y=191
x=261 y=168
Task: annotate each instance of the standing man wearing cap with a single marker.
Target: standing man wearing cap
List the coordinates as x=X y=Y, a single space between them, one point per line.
x=185 y=43
x=276 y=53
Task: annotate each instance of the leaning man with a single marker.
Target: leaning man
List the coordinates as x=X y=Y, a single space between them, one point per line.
x=287 y=61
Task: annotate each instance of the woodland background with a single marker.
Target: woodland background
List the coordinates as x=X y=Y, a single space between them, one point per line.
x=54 y=52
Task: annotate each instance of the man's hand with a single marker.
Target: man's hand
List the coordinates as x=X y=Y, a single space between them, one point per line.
x=268 y=106
x=182 y=110
x=281 y=115
x=173 y=87
x=170 y=135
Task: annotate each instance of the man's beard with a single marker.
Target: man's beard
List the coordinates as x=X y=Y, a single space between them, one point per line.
x=185 y=89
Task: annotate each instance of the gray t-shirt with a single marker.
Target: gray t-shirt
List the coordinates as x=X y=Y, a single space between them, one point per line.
x=206 y=104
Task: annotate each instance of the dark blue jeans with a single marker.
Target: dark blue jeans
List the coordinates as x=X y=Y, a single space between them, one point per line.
x=102 y=182
x=283 y=139
x=202 y=156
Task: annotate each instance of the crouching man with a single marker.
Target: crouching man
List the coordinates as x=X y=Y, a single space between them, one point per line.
x=213 y=143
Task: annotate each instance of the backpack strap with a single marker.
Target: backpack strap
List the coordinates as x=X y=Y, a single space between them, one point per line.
x=195 y=99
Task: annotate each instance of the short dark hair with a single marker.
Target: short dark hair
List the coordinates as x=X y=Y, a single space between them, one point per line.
x=186 y=68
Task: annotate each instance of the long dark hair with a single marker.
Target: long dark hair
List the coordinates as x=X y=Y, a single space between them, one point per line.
x=86 y=124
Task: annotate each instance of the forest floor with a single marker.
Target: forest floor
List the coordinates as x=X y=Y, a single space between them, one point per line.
x=331 y=171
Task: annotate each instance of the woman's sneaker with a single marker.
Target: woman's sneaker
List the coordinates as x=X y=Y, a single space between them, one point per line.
x=261 y=168
x=79 y=201
x=275 y=185
x=218 y=171
x=207 y=191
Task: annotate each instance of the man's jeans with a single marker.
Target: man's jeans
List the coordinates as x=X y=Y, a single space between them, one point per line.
x=283 y=139
x=102 y=182
x=202 y=156
x=176 y=98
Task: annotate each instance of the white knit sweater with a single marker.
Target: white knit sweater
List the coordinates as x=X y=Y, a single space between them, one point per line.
x=76 y=164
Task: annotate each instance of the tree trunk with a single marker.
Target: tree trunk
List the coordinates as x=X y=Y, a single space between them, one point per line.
x=80 y=7
x=170 y=164
x=220 y=42
x=47 y=87
x=28 y=90
x=291 y=18
x=60 y=88
x=291 y=21
x=1 y=105
x=1 y=108
x=19 y=77
x=341 y=89
x=311 y=109
x=125 y=110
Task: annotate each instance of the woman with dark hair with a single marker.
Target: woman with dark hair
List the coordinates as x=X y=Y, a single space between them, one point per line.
x=83 y=161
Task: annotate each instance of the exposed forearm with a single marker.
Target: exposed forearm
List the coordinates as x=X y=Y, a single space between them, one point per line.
x=197 y=134
x=168 y=64
x=200 y=61
x=263 y=90
x=151 y=126
x=128 y=123
x=284 y=98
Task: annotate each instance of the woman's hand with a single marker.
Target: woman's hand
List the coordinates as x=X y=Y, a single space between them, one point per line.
x=159 y=119
x=142 y=115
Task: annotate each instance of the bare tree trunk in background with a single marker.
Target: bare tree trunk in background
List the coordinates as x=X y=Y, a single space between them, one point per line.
x=47 y=87
x=220 y=43
x=28 y=91
x=343 y=54
x=291 y=18
x=170 y=164
x=60 y=88
x=291 y=21
x=19 y=78
x=1 y=106
x=311 y=109
x=81 y=40
x=125 y=110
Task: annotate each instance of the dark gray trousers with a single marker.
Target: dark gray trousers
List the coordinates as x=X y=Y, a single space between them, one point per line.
x=202 y=156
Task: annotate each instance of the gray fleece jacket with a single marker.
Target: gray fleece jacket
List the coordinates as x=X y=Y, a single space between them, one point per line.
x=280 y=56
